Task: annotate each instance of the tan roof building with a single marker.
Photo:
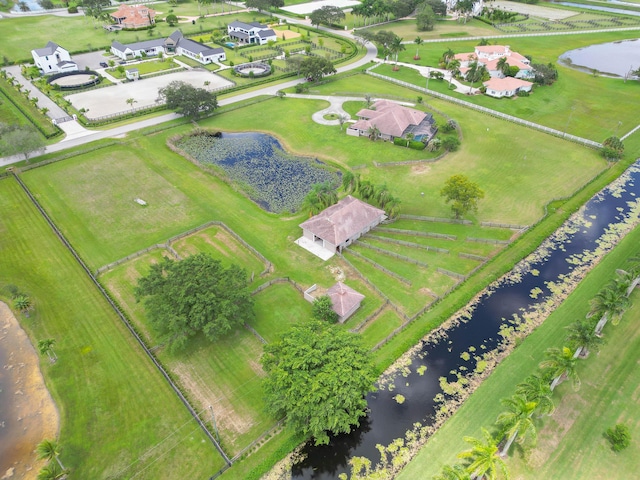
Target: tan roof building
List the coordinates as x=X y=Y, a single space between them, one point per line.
x=345 y=300
x=393 y=120
x=134 y=16
x=339 y=225
x=506 y=87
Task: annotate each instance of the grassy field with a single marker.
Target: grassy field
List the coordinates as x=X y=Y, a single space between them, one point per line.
x=225 y=375
x=145 y=68
x=570 y=441
x=100 y=368
x=578 y=103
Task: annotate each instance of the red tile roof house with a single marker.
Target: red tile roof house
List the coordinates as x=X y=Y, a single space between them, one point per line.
x=341 y=224
x=490 y=55
x=506 y=87
x=134 y=16
x=393 y=120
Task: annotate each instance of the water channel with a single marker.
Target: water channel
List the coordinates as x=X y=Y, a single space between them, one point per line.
x=563 y=258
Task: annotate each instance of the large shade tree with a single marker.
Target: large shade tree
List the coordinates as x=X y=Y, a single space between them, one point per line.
x=317 y=378
x=314 y=68
x=197 y=294
x=187 y=100
x=327 y=15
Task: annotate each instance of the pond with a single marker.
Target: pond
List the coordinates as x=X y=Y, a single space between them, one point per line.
x=518 y=301
x=274 y=179
x=614 y=59
x=33 y=6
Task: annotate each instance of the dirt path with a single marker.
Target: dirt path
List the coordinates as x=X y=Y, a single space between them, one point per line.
x=27 y=411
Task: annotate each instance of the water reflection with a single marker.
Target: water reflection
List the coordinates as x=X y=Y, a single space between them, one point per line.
x=615 y=59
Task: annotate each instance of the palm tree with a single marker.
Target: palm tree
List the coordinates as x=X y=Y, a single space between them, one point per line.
x=131 y=101
x=49 y=450
x=484 y=459
x=51 y=472
x=503 y=66
x=536 y=389
x=582 y=336
x=417 y=41
x=447 y=56
x=409 y=137
x=454 y=69
x=350 y=182
x=321 y=196
x=395 y=47
x=517 y=420
x=45 y=347
x=561 y=364
x=373 y=132
x=475 y=73
x=23 y=304
x=457 y=472
x=609 y=303
x=366 y=190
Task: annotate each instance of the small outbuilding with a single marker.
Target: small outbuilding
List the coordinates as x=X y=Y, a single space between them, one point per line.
x=341 y=224
x=344 y=300
x=132 y=74
x=506 y=87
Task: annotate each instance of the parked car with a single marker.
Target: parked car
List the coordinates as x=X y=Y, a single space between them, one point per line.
x=103 y=64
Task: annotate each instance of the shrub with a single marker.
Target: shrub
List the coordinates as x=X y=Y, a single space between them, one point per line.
x=523 y=93
x=416 y=145
x=322 y=309
x=449 y=127
x=619 y=437
x=451 y=144
x=72 y=9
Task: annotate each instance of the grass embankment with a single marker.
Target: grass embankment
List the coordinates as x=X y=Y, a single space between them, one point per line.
x=578 y=103
x=571 y=443
x=119 y=417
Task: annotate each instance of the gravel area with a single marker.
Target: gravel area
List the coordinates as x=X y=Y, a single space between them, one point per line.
x=113 y=99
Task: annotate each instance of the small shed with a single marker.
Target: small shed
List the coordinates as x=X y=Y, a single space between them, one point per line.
x=345 y=300
x=132 y=74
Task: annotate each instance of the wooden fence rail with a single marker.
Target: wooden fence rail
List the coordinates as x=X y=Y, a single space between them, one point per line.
x=487 y=240
x=435 y=219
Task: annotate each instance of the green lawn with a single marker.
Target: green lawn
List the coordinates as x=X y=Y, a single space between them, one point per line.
x=381 y=326
x=100 y=369
x=220 y=244
x=278 y=308
x=570 y=443
x=225 y=374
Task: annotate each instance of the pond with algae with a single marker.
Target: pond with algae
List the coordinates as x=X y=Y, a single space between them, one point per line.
x=273 y=178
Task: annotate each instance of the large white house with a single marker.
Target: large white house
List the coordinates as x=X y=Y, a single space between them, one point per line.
x=53 y=59
x=175 y=43
x=248 y=33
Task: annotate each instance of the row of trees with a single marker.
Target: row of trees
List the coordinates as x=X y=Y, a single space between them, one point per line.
x=533 y=397
x=372 y=11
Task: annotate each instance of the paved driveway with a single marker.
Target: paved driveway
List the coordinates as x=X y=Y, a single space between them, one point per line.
x=113 y=99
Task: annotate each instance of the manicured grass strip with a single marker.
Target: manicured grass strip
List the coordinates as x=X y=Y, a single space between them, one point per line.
x=100 y=366
x=609 y=379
